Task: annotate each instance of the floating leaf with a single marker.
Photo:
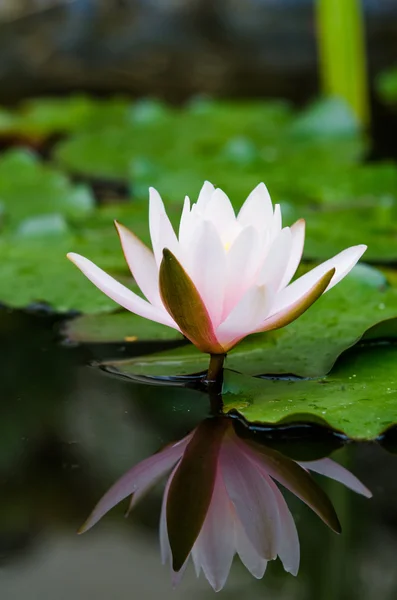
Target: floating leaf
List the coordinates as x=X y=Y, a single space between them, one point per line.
x=30 y=188
x=116 y=327
x=307 y=347
x=39 y=118
x=358 y=397
x=386 y=84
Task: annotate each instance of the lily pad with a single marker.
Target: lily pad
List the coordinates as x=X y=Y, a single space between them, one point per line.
x=38 y=118
x=307 y=347
x=358 y=397
x=386 y=84
x=211 y=140
x=331 y=229
x=116 y=327
x=30 y=188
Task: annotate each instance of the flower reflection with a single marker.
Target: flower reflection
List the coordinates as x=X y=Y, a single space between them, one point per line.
x=221 y=499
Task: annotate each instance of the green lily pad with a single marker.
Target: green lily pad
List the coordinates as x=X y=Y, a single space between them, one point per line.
x=116 y=327
x=332 y=229
x=39 y=118
x=30 y=188
x=307 y=347
x=358 y=397
x=211 y=140
x=386 y=85
x=39 y=273
x=327 y=118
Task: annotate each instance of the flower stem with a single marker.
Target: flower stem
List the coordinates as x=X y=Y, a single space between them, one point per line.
x=214 y=381
x=215 y=369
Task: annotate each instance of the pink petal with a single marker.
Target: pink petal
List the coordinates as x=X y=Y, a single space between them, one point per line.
x=249 y=313
x=205 y=195
x=290 y=313
x=292 y=476
x=137 y=480
x=185 y=224
x=342 y=263
x=298 y=240
x=207 y=268
x=335 y=471
x=165 y=547
x=250 y=558
x=288 y=545
x=141 y=263
x=253 y=499
x=242 y=265
x=277 y=223
x=119 y=293
x=220 y=212
x=214 y=549
x=257 y=210
x=276 y=261
x=161 y=230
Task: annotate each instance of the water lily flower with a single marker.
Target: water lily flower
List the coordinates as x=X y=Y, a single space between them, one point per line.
x=221 y=499
x=224 y=276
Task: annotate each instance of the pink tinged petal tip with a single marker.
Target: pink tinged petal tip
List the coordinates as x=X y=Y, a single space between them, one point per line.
x=298 y=241
x=295 y=478
x=257 y=210
x=333 y=470
x=292 y=307
x=214 y=548
x=141 y=263
x=252 y=498
x=249 y=556
x=120 y=293
x=137 y=480
x=161 y=231
x=205 y=195
x=288 y=548
x=184 y=303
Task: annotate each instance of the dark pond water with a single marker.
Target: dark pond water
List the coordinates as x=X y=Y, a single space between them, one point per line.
x=68 y=431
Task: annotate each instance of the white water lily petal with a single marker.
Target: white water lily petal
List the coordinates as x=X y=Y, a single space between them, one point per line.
x=257 y=210
x=253 y=499
x=277 y=223
x=335 y=471
x=161 y=231
x=207 y=268
x=205 y=195
x=298 y=240
x=242 y=265
x=246 y=317
x=343 y=264
x=214 y=548
x=121 y=294
x=141 y=263
x=185 y=228
x=138 y=479
x=276 y=261
x=165 y=548
x=250 y=558
x=220 y=212
x=288 y=545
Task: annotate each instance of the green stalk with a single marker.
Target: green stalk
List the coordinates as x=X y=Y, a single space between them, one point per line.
x=342 y=55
